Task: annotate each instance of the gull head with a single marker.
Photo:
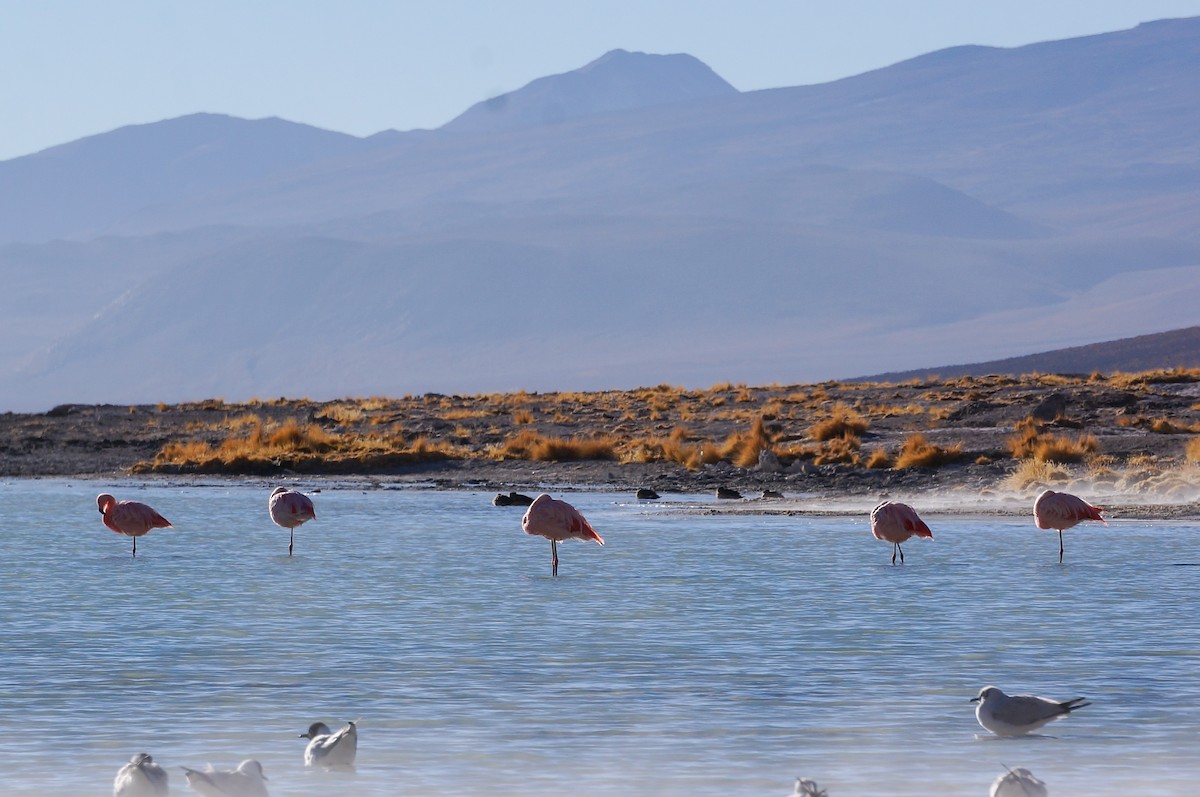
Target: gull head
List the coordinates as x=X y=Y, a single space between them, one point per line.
x=985 y=693
x=315 y=730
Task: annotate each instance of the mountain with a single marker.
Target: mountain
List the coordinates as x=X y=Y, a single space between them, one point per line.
x=968 y=205
x=617 y=81
x=82 y=187
x=1179 y=348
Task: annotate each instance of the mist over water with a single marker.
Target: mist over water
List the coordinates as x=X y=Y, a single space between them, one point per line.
x=691 y=655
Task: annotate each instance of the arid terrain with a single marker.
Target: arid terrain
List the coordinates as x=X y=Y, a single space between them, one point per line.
x=1131 y=438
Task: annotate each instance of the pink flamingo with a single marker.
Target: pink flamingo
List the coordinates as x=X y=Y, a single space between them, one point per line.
x=556 y=520
x=129 y=517
x=289 y=509
x=1062 y=511
x=895 y=522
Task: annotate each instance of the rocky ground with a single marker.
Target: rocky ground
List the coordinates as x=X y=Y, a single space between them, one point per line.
x=1141 y=428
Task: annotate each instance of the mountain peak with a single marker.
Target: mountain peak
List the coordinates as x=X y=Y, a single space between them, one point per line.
x=619 y=80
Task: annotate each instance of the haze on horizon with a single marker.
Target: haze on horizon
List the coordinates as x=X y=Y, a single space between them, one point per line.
x=76 y=68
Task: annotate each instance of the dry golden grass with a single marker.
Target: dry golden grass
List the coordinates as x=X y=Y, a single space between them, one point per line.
x=1031 y=442
x=917 y=452
x=823 y=422
x=1034 y=473
x=1193 y=450
x=1161 y=376
x=842 y=422
x=531 y=445
x=306 y=448
x=838 y=451
x=879 y=459
x=743 y=449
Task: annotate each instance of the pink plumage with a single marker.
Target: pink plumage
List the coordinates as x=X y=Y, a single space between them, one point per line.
x=894 y=522
x=290 y=509
x=1061 y=511
x=131 y=518
x=557 y=521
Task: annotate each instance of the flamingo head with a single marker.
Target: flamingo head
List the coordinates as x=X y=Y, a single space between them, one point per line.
x=104 y=501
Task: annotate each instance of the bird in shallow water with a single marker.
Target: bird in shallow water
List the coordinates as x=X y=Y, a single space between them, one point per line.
x=131 y=518
x=1017 y=715
x=556 y=521
x=1061 y=511
x=328 y=749
x=141 y=777
x=290 y=509
x=894 y=522
x=1018 y=782
x=247 y=780
x=808 y=788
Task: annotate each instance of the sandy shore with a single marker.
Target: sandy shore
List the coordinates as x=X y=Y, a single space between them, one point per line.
x=1140 y=431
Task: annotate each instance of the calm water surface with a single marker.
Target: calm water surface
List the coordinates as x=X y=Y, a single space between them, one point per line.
x=692 y=655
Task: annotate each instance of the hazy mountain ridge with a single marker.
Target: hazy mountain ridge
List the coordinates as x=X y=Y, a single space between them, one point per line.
x=967 y=204
x=617 y=81
x=1178 y=348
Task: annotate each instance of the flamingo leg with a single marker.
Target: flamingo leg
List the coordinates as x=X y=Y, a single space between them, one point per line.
x=553 y=558
x=135 y=546
x=1060 y=546
x=894 y=547
x=901 y=550
x=291 y=539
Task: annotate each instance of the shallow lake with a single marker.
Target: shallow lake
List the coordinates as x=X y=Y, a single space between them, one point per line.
x=691 y=655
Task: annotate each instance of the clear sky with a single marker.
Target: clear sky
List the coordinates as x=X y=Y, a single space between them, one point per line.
x=71 y=68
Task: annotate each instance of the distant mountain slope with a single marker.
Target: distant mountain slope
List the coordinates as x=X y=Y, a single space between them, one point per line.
x=86 y=185
x=967 y=205
x=1179 y=348
x=617 y=81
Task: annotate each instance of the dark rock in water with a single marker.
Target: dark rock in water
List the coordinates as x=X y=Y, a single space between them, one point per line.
x=512 y=499
x=728 y=493
x=771 y=494
x=647 y=494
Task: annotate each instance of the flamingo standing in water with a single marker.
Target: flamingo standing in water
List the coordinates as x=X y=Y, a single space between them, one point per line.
x=130 y=518
x=556 y=521
x=1062 y=511
x=895 y=522
x=289 y=509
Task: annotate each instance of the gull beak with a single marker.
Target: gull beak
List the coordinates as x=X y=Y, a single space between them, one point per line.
x=974 y=700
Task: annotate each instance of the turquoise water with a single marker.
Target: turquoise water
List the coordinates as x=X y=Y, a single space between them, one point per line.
x=692 y=655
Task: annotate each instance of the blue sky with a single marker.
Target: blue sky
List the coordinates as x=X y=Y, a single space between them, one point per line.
x=71 y=68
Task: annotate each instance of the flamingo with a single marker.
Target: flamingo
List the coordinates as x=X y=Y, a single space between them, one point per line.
x=556 y=520
x=1017 y=715
x=1062 y=511
x=247 y=780
x=141 y=777
x=329 y=749
x=129 y=517
x=289 y=509
x=895 y=522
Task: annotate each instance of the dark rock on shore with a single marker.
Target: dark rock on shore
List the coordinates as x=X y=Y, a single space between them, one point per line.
x=512 y=499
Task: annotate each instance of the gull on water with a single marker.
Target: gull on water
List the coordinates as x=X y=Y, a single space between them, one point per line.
x=247 y=780
x=1017 y=715
x=328 y=749
x=808 y=788
x=1019 y=782
x=141 y=777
